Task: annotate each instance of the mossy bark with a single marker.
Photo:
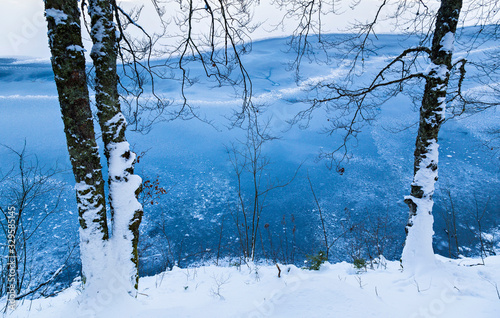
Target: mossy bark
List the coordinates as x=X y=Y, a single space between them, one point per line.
x=432 y=115
x=432 y=108
x=68 y=64
x=112 y=122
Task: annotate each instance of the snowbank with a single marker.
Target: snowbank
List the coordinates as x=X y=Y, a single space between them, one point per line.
x=456 y=288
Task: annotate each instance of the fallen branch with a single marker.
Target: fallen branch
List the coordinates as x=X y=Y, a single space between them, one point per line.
x=57 y=272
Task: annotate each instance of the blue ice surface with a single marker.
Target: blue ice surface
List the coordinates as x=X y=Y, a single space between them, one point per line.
x=190 y=159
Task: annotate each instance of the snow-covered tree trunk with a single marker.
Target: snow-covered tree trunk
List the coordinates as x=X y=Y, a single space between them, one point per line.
x=124 y=186
x=68 y=64
x=418 y=253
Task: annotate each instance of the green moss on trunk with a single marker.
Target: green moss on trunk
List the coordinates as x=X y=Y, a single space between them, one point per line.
x=111 y=120
x=68 y=64
x=432 y=108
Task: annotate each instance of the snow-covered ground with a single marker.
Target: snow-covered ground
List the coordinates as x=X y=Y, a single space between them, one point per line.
x=457 y=288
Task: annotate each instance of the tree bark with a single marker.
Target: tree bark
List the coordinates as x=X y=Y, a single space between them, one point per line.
x=418 y=252
x=68 y=64
x=124 y=186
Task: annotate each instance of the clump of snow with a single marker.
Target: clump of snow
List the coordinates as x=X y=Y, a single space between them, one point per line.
x=98 y=29
x=122 y=189
x=58 y=15
x=118 y=119
x=455 y=288
x=427 y=174
x=438 y=71
x=77 y=48
x=418 y=254
x=447 y=42
x=93 y=250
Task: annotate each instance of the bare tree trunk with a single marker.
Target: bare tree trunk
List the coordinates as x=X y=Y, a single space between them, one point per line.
x=124 y=186
x=68 y=64
x=418 y=252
